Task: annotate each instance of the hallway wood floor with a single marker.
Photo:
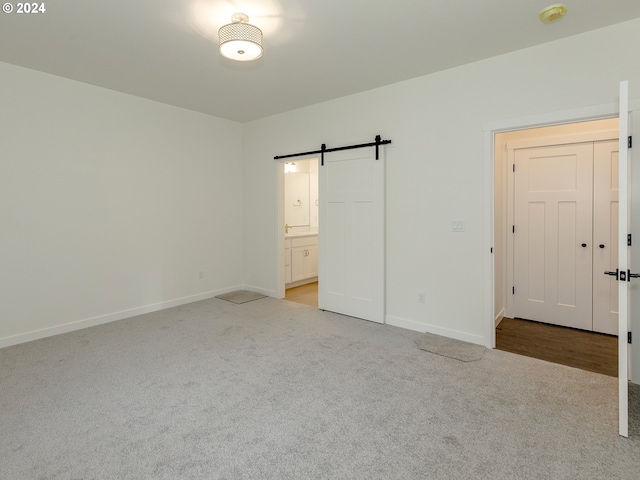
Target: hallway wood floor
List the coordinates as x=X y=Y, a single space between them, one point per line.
x=590 y=351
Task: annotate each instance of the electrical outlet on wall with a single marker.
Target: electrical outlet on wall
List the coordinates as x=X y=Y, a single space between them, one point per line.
x=422 y=297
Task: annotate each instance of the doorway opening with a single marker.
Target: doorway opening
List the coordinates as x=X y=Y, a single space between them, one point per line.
x=528 y=262
x=300 y=231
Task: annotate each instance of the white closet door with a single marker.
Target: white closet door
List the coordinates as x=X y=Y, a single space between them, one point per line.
x=605 y=236
x=553 y=234
x=351 y=246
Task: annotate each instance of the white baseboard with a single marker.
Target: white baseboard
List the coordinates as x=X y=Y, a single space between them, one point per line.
x=263 y=291
x=111 y=317
x=425 y=327
x=499 y=317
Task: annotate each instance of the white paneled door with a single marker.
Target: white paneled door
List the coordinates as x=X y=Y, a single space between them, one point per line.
x=351 y=246
x=605 y=236
x=624 y=285
x=566 y=235
x=553 y=234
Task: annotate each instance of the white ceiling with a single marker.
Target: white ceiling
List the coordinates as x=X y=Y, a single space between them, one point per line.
x=315 y=50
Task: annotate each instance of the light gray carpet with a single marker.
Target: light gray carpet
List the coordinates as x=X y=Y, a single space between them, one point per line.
x=448 y=347
x=241 y=296
x=279 y=390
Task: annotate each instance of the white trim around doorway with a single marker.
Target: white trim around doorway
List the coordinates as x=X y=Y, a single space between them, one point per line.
x=596 y=112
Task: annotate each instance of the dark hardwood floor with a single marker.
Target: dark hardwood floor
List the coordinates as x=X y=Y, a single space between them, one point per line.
x=590 y=351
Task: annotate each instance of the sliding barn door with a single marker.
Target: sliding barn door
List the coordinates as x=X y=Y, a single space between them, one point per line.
x=351 y=245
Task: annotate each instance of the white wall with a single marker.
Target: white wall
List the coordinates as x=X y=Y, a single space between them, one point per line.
x=296 y=199
x=435 y=165
x=314 y=179
x=110 y=205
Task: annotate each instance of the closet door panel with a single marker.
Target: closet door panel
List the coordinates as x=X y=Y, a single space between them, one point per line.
x=605 y=236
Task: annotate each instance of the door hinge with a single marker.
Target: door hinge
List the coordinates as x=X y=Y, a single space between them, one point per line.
x=513 y=290
x=629 y=337
x=630 y=142
x=629 y=240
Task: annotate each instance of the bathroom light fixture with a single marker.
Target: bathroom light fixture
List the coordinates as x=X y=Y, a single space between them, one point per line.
x=240 y=40
x=553 y=13
x=290 y=167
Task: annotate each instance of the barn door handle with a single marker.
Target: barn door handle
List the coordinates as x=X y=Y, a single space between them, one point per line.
x=613 y=274
x=601 y=245
x=584 y=245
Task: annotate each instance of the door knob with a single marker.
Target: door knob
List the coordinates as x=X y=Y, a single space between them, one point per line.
x=584 y=245
x=601 y=245
x=613 y=274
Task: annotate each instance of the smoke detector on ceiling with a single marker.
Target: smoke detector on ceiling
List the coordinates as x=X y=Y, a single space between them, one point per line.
x=553 y=13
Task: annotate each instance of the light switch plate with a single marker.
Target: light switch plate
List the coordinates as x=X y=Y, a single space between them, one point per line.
x=457 y=226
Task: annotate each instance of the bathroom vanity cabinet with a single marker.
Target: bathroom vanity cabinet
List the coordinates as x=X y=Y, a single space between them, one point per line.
x=301 y=259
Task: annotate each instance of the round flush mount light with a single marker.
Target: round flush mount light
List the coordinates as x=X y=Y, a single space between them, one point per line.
x=240 y=40
x=553 y=13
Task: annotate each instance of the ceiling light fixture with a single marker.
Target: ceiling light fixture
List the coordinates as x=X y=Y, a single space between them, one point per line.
x=240 y=40
x=553 y=13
